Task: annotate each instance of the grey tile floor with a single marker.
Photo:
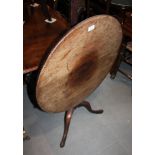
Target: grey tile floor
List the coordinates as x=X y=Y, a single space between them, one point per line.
x=109 y=133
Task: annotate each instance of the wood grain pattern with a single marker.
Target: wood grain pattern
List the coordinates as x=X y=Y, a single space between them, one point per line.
x=38 y=36
x=78 y=63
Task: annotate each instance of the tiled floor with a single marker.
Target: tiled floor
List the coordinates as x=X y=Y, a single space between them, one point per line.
x=109 y=133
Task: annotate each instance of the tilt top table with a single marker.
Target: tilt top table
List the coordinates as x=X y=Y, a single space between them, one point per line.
x=73 y=67
x=76 y=66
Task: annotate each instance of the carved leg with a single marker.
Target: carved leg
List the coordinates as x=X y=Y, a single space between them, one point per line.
x=67 y=119
x=68 y=116
x=117 y=62
x=115 y=67
x=88 y=107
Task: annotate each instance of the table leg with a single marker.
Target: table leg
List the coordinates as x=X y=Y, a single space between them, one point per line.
x=68 y=116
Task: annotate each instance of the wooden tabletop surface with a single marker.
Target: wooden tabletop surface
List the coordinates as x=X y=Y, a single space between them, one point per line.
x=78 y=63
x=38 y=36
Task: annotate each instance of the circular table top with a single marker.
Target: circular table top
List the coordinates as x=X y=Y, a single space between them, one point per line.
x=78 y=63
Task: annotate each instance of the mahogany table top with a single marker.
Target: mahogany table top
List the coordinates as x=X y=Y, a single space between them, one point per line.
x=78 y=63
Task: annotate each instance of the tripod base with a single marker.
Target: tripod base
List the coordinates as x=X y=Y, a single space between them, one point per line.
x=68 y=116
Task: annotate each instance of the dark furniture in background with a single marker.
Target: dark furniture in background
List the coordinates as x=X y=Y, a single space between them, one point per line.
x=73 y=10
x=77 y=10
x=39 y=36
x=125 y=53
